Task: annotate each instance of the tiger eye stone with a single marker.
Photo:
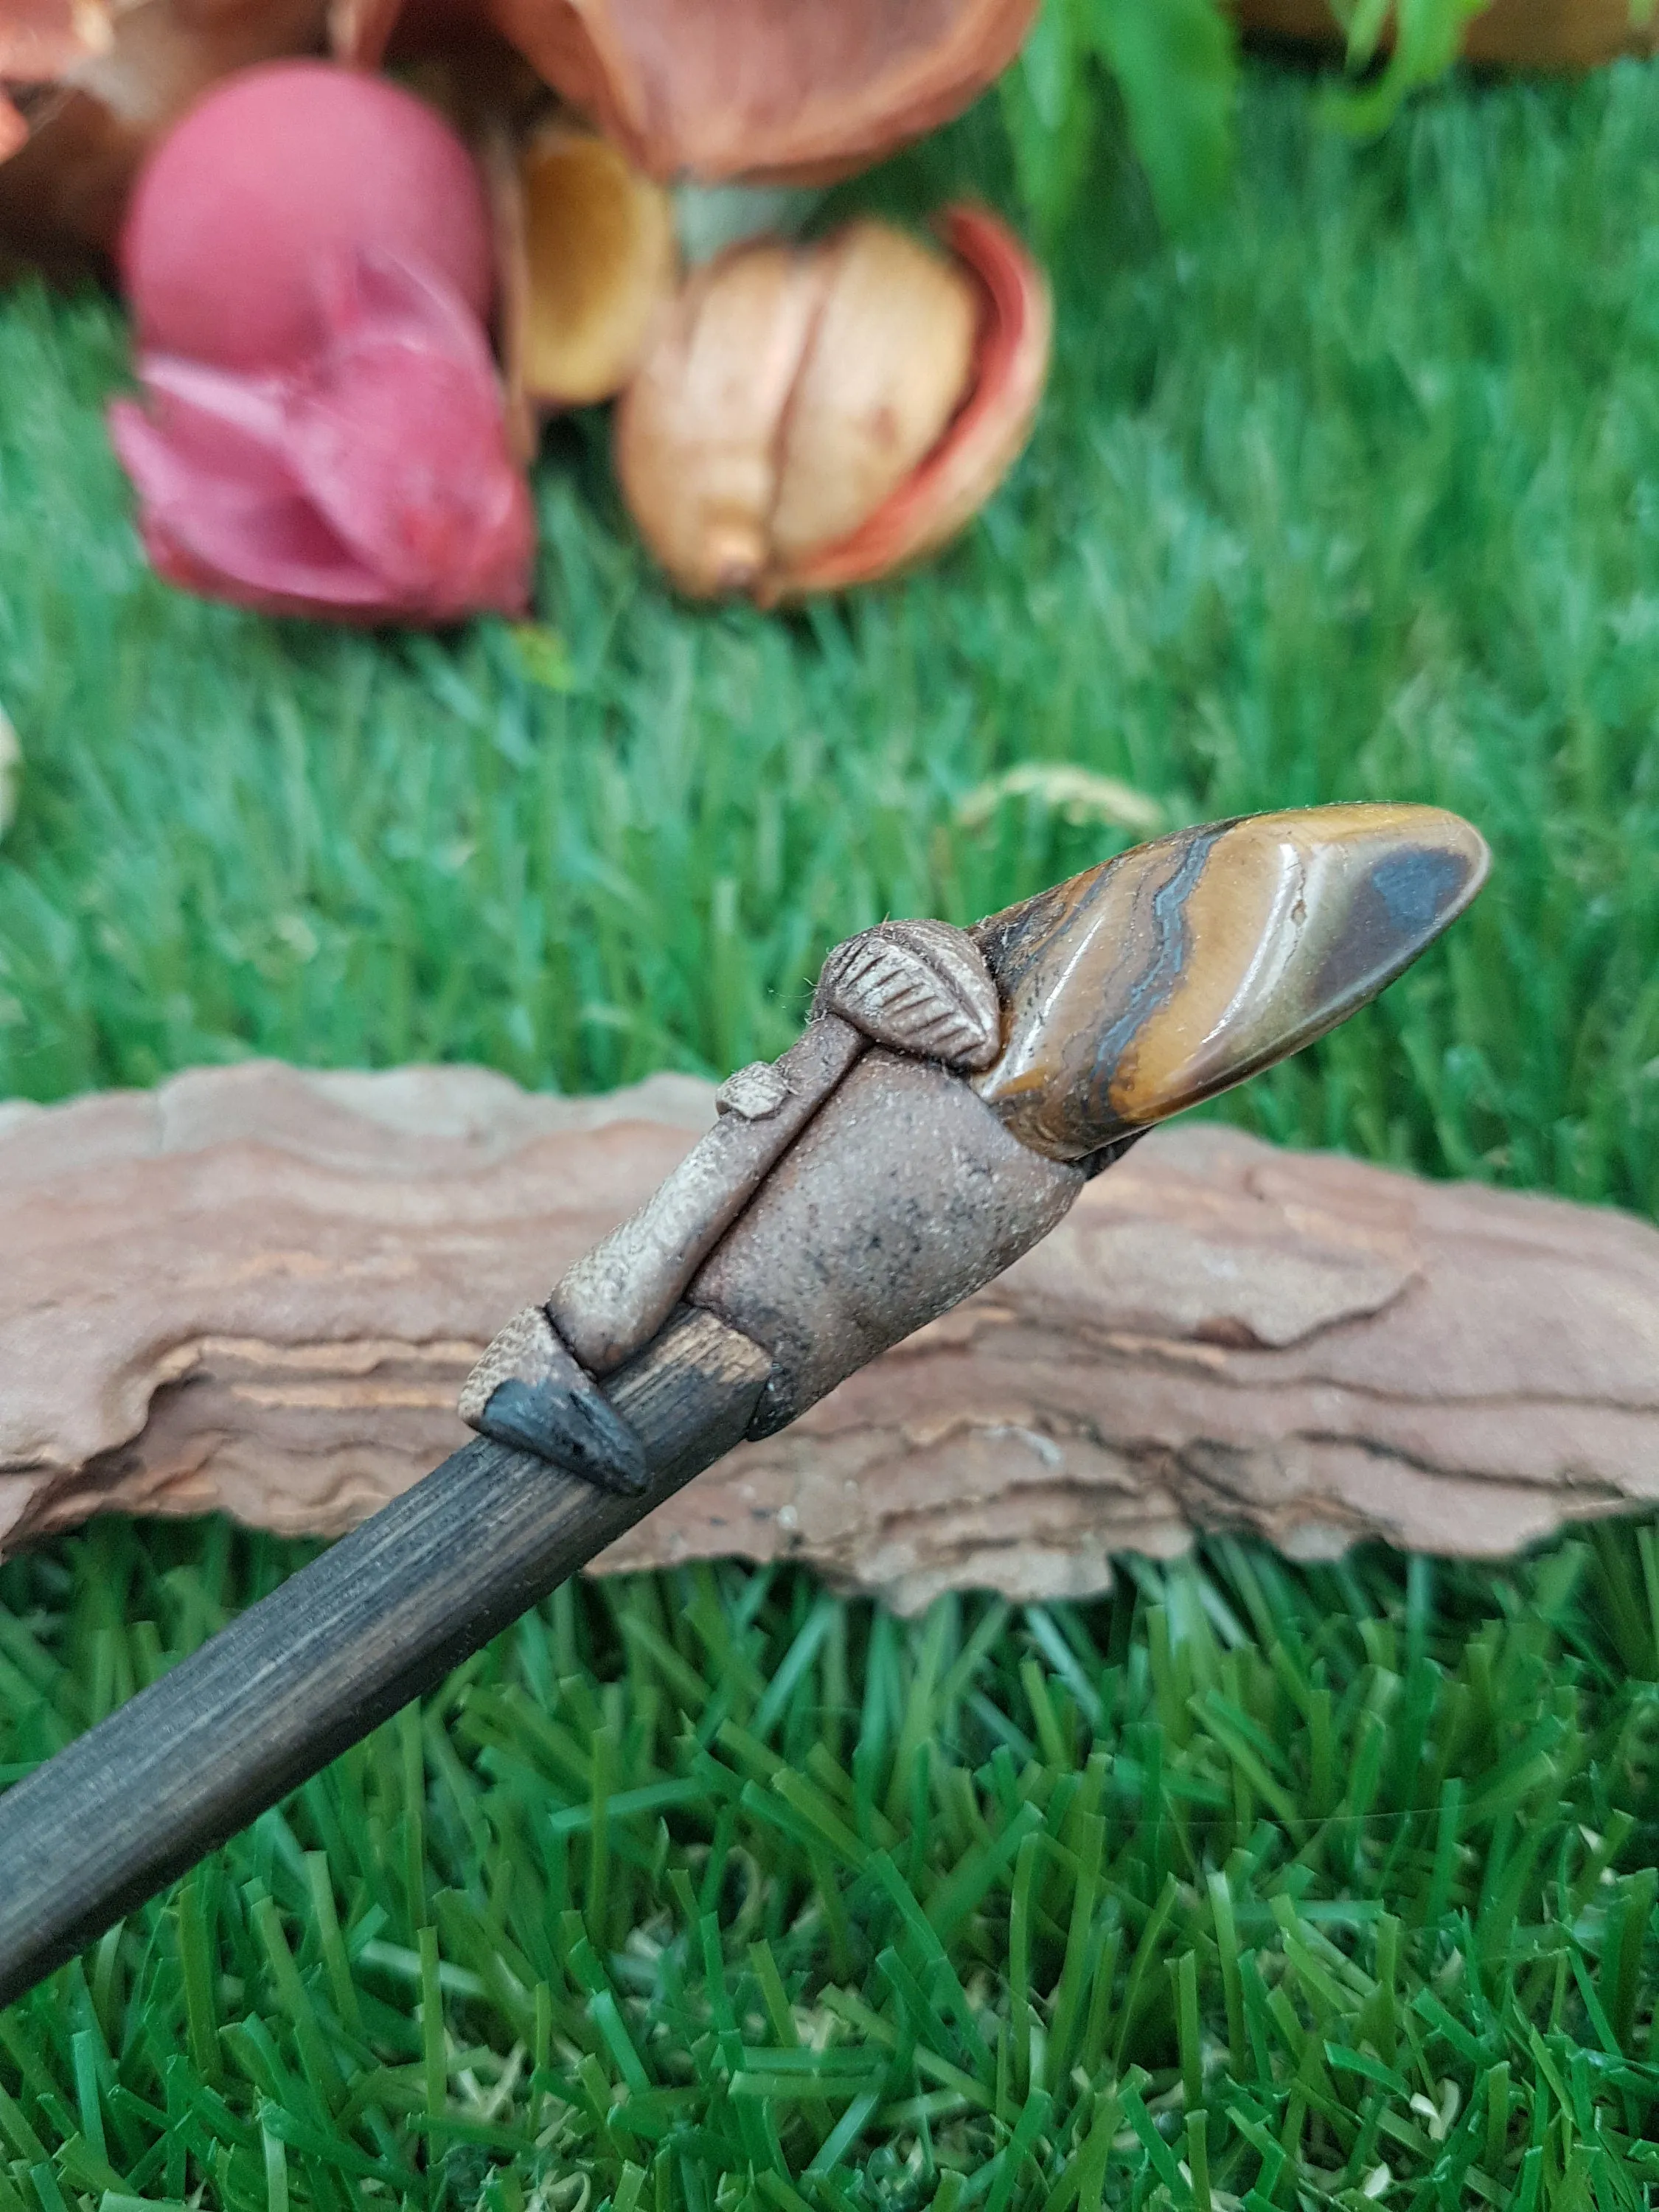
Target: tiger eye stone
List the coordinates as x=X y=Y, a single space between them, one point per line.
x=1177 y=969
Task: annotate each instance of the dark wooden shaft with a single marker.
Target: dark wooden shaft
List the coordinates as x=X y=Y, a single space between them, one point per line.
x=378 y=1619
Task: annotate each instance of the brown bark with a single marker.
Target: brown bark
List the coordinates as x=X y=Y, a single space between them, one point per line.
x=259 y=1290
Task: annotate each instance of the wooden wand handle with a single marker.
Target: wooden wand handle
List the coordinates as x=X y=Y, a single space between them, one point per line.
x=381 y=1618
x=952 y=1093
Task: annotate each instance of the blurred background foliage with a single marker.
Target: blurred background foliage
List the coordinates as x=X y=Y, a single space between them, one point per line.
x=1167 y=73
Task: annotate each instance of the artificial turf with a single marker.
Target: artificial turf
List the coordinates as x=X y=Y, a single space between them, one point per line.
x=1285 y=1885
x=715 y=1890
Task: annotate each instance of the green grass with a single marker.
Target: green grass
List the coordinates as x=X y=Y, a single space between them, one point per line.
x=714 y=1891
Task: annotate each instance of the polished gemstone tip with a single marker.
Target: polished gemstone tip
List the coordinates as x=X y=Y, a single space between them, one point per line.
x=1180 y=967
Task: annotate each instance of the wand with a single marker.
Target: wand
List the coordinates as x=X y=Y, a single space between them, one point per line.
x=951 y=1093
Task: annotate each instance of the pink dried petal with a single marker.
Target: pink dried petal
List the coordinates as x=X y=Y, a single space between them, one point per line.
x=224 y=419
x=397 y=434
x=236 y=525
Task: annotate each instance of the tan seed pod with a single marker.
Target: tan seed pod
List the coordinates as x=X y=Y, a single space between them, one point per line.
x=697 y=430
x=889 y=361
x=811 y=417
x=985 y=437
x=920 y=987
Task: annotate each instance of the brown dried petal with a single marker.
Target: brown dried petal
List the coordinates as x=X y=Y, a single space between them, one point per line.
x=782 y=88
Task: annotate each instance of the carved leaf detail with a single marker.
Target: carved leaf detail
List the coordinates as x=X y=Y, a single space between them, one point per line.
x=920 y=987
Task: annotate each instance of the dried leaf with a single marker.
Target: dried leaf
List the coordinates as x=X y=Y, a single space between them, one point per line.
x=1077 y=795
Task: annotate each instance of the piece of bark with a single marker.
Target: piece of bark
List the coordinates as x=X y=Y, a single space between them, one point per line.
x=259 y=1290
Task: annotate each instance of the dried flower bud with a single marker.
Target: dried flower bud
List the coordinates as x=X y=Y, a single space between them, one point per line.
x=889 y=361
x=811 y=417
x=308 y=260
x=369 y=482
x=281 y=168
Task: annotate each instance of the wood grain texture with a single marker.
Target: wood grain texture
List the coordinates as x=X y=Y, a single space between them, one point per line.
x=376 y=1620
x=261 y=1290
x=248 y=1271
